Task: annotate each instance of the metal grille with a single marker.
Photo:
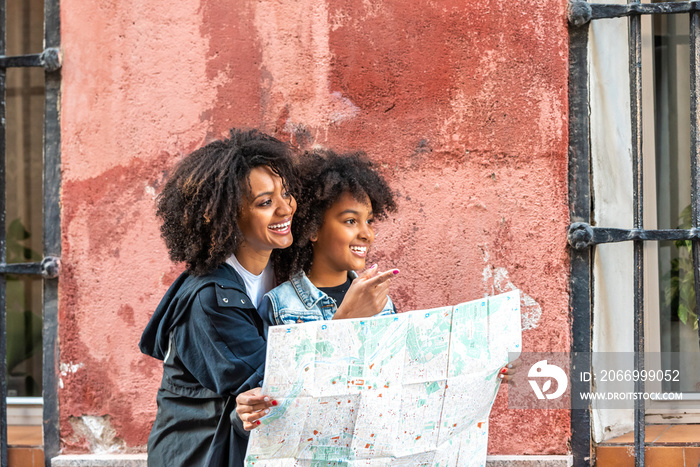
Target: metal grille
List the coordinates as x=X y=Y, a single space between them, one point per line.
x=582 y=236
x=50 y=60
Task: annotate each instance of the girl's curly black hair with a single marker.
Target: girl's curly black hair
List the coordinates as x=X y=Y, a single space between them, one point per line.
x=324 y=177
x=201 y=200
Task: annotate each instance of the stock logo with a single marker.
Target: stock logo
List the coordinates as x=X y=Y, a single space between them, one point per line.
x=542 y=369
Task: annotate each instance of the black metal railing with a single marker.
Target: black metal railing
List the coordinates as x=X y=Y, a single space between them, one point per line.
x=49 y=268
x=581 y=235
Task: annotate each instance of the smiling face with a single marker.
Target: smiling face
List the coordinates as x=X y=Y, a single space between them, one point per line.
x=342 y=242
x=266 y=217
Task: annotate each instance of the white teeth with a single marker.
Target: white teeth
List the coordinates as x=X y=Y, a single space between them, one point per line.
x=281 y=226
x=360 y=249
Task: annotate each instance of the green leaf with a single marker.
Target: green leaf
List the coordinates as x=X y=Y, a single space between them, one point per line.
x=16 y=231
x=679 y=292
x=683 y=313
x=685 y=218
x=17 y=252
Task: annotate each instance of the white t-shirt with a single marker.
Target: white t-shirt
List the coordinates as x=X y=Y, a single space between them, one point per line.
x=255 y=286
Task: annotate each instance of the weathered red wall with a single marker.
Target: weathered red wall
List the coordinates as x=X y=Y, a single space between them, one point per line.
x=463 y=103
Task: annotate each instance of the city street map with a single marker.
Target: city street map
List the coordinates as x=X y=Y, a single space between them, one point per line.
x=409 y=389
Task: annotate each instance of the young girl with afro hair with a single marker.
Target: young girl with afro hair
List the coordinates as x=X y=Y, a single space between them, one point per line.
x=341 y=196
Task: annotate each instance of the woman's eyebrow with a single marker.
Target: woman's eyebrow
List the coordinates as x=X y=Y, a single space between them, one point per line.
x=266 y=193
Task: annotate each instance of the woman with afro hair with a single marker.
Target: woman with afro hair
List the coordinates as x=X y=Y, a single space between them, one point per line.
x=226 y=212
x=341 y=196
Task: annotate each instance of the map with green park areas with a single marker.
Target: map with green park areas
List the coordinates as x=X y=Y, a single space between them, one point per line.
x=412 y=389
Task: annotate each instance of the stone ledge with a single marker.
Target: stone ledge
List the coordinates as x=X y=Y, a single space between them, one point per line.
x=529 y=461
x=100 y=460
x=139 y=460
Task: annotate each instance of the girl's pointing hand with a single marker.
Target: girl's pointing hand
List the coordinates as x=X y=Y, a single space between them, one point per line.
x=367 y=295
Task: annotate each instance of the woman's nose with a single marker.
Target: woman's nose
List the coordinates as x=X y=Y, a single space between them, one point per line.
x=284 y=207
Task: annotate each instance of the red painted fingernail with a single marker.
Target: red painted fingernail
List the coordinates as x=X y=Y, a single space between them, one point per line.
x=503 y=370
x=274 y=402
x=257 y=422
x=395 y=271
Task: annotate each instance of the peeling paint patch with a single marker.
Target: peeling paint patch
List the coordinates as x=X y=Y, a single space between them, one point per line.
x=66 y=369
x=297 y=61
x=98 y=433
x=69 y=368
x=496 y=281
x=151 y=191
x=345 y=110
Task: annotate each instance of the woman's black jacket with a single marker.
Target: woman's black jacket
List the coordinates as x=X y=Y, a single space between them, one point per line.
x=212 y=343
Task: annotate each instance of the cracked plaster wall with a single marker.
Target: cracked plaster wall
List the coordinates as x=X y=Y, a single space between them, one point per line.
x=462 y=105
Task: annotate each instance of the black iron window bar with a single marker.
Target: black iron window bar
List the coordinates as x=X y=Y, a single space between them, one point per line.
x=581 y=234
x=49 y=267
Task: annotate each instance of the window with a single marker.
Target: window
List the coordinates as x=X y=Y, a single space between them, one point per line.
x=669 y=298
x=24 y=115
x=633 y=172
x=30 y=217
x=678 y=335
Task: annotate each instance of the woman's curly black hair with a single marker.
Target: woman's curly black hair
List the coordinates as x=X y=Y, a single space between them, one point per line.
x=201 y=200
x=324 y=177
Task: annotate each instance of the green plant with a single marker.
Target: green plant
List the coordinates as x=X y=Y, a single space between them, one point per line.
x=23 y=326
x=679 y=294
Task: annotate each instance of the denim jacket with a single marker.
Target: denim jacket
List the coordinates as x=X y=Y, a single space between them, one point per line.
x=299 y=301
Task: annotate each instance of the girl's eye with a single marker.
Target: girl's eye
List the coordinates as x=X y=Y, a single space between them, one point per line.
x=267 y=202
x=370 y=221
x=286 y=194
x=350 y=221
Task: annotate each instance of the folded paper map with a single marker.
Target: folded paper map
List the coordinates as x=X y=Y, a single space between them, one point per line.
x=411 y=389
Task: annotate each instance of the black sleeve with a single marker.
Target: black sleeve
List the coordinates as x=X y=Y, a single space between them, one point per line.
x=267 y=311
x=221 y=344
x=237 y=424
